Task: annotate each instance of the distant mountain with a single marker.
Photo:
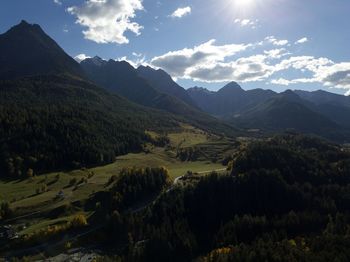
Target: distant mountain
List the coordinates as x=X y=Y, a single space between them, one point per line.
x=287 y=111
x=229 y=100
x=163 y=82
x=320 y=113
x=323 y=97
x=335 y=107
x=26 y=51
x=123 y=79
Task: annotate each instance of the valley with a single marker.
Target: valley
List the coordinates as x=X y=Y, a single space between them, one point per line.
x=33 y=200
x=113 y=160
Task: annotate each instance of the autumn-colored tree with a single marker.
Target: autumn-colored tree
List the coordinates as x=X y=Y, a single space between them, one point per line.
x=78 y=221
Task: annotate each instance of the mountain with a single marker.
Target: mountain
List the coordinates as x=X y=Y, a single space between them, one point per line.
x=323 y=97
x=123 y=79
x=335 y=107
x=51 y=118
x=229 y=100
x=163 y=82
x=287 y=111
x=319 y=112
x=26 y=50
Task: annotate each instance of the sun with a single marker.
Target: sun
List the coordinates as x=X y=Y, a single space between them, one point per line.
x=243 y=4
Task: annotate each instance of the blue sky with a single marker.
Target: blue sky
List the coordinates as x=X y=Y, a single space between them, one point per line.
x=275 y=44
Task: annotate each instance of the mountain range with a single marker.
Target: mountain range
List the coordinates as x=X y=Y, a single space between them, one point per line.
x=319 y=112
x=151 y=88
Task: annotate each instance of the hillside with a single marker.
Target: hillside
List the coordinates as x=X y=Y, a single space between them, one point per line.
x=53 y=123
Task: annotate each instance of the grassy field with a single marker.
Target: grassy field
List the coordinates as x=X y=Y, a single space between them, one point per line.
x=190 y=136
x=24 y=198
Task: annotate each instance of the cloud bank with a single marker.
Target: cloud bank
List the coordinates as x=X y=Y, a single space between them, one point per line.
x=181 y=63
x=210 y=62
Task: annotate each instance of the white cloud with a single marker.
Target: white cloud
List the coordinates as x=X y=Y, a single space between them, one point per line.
x=276 y=53
x=337 y=75
x=136 y=54
x=180 y=12
x=108 y=20
x=179 y=63
x=247 y=69
x=135 y=63
x=57 y=2
x=304 y=63
x=286 y=82
x=302 y=41
x=247 y=22
x=209 y=62
x=323 y=71
x=276 y=42
x=81 y=57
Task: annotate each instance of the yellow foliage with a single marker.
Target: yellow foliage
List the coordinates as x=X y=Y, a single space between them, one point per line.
x=217 y=253
x=292 y=243
x=78 y=221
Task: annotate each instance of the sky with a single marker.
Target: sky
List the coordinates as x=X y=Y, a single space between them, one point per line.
x=270 y=44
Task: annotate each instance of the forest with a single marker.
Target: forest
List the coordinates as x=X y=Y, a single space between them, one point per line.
x=295 y=208
x=57 y=122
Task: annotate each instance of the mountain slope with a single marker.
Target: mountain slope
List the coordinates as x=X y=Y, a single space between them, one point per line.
x=123 y=79
x=26 y=50
x=163 y=82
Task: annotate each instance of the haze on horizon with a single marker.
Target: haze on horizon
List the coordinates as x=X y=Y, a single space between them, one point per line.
x=273 y=44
